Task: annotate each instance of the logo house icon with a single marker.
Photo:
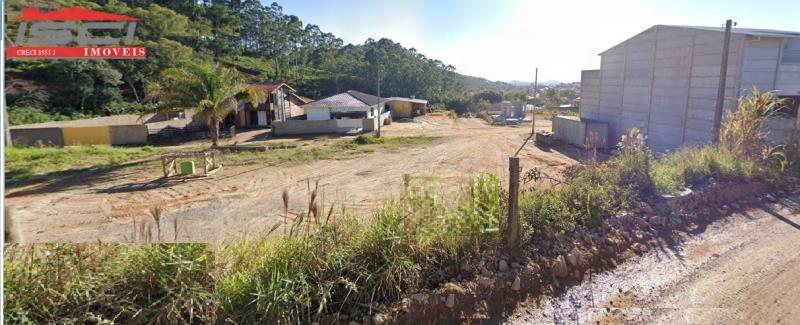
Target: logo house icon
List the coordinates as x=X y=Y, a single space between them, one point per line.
x=50 y=34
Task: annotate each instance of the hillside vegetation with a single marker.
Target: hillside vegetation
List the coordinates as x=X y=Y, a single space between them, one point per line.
x=261 y=41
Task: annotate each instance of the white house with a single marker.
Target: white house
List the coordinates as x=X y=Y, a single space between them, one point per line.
x=664 y=80
x=347 y=105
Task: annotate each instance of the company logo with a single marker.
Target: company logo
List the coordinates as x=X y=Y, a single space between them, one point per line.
x=50 y=34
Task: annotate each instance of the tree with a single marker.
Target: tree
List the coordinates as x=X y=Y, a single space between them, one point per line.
x=213 y=90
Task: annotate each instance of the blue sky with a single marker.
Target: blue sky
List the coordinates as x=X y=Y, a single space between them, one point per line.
x=505 y=40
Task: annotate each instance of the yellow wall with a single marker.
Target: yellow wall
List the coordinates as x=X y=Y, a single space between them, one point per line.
x=86 y=135
x=401 y=109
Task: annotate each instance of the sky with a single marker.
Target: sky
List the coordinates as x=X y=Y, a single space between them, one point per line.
x=506 y=40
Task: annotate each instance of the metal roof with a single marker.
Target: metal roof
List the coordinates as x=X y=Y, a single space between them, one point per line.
x=412 y=100
x=742 y=31
x=350 y=98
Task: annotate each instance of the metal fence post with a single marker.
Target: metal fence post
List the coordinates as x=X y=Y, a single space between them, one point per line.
x=512 y=229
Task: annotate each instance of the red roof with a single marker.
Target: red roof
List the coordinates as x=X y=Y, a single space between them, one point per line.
x=32 y=14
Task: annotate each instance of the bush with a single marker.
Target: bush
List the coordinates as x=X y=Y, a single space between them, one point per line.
x=108 y=283
x=692 y=167
x=27 y=115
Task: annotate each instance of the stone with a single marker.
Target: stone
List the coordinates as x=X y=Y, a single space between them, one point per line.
x=485 y=281
x=420 y=297
x=502 y=266
x=559 y=267
x=451 y=301
x=535 y=268
x=379 y=319
x=657 y=220
x=515 y=265
x=516 y=284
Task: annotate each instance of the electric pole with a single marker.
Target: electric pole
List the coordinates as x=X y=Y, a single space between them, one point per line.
x=533 y=112
x=380 y=105
x=723 y=74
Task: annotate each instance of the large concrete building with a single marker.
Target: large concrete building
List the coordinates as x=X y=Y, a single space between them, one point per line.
x=665 y=79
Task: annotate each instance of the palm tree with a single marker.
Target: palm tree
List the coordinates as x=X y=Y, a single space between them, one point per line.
x=213 y=90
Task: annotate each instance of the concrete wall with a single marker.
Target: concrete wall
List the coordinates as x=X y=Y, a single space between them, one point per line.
x=663 y=81
x=86 y=135
x=296 y=127
x=34 y=136
x=128 y=134
x=788 y=78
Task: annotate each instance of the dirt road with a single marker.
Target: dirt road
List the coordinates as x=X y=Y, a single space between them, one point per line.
x=744 y=269
x=112 y=205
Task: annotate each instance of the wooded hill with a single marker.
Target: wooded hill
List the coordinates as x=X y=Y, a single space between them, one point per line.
x=263 y=42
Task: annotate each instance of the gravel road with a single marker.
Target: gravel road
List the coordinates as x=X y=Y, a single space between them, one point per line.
x=742 y=269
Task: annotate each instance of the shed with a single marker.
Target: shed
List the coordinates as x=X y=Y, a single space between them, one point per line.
x=402 y=107
x=664 y=80
x=579 y=132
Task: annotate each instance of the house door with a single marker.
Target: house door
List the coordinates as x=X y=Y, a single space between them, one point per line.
x=262 y=118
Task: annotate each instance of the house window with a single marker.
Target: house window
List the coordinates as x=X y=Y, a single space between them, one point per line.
x=791 y=52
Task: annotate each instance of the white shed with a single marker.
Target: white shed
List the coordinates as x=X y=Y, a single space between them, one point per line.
x=665 y=79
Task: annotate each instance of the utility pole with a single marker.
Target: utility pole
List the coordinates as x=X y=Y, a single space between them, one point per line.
x=723 y=74
x=533 y=113
x=380 y=105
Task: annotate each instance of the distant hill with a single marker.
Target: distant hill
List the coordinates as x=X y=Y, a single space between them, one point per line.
x=472 y=83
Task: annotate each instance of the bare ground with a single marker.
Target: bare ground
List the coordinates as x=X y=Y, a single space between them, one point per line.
x=743 y=269
x=112 y=205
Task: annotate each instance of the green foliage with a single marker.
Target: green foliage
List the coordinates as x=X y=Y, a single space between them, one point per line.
x=27 y=115
x=108 y=283
x=694 y=167
x=742 y=130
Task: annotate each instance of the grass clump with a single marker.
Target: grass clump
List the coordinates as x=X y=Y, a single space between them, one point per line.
x=108 y=283
x=695 y=167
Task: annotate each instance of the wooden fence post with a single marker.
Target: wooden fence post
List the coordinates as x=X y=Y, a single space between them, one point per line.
x=512 y=229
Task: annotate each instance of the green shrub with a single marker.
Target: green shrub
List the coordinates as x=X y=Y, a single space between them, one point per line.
x=691 y=167
x=109 y=283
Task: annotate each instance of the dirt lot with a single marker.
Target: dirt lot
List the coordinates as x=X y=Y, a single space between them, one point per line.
x=742 y=269
x=110 y=205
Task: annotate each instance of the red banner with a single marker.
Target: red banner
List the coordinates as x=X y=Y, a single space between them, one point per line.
x=77 y=52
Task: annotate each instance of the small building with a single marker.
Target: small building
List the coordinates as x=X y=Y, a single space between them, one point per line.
x=347 y=105
x=348 y=112
x=665 y=80
x=402 y=107
x=281 y=105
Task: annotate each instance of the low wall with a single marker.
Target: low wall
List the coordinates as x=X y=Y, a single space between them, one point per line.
x=128 y=134
x=35 y=136
x=296 y=127
x=74 y=136
x=85 y=135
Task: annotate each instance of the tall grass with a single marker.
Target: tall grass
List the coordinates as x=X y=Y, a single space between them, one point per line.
x=108 y=283
x=343 y=265
x=411 y=242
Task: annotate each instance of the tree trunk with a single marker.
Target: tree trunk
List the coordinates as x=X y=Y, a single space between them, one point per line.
x=213 y=127
x=133 y=88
